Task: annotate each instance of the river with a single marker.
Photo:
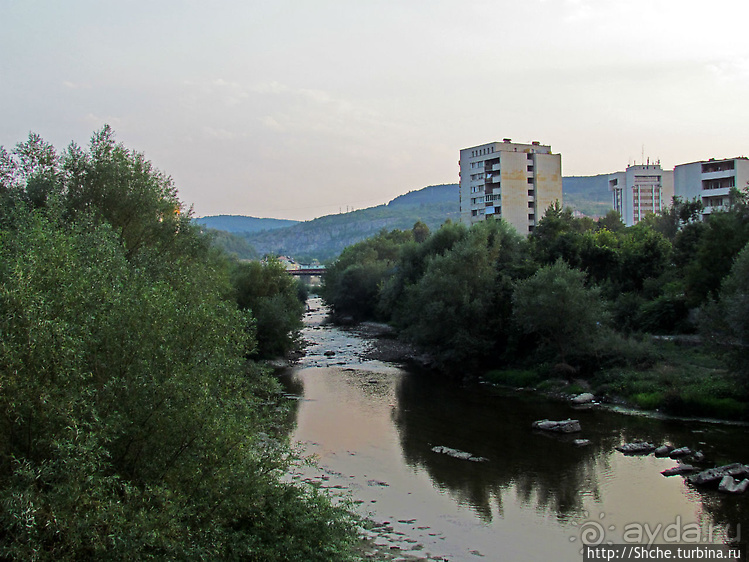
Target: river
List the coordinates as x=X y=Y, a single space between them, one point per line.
x=372 y=427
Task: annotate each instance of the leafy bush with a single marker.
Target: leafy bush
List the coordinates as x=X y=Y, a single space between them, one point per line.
x=274 y=299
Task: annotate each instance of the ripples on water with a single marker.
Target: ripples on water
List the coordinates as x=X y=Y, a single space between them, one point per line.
x=373 y=425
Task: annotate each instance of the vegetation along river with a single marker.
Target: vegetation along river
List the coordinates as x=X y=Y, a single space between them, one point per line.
x=373 y=427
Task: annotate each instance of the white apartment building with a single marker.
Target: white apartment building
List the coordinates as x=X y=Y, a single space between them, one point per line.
x=711 y=181
x=640 y=190
x=513 y=181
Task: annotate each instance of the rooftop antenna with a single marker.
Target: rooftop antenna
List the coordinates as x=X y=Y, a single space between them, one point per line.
x=642 y=161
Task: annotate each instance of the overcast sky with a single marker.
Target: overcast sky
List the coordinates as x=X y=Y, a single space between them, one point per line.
x=296 y=109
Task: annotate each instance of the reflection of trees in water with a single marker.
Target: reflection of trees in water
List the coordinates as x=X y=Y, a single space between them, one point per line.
x=546 y=470
x=292 y=387
x=730 y=513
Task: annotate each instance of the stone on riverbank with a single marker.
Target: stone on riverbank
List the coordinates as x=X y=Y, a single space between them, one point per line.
x=680 y=452
x=715 y=475
x=679 y=469
x=564 y=426
x=663 y=451
x=584 y=398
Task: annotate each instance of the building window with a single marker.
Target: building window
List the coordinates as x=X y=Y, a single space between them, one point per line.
x=531 y=205
x=531 y=216
x=530 y=181
x=530 y=167
x=531 y=192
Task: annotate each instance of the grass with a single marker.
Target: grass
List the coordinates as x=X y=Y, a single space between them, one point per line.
x=684 y=381
x=677 y=380
x=513 y=377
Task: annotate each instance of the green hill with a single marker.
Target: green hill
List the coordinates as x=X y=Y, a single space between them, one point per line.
x=239 y=223
x=325 y=237
x=588 y=194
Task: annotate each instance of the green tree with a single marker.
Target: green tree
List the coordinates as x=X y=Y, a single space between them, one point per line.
x=271 y=295
x=559 y=235
x=723 y=236
x=556 y=305
x=459 y=308
x=352 y=283
x=411 y=265
x=420 y=232
x=121 y=187
x=725 y=322
x=612 y=222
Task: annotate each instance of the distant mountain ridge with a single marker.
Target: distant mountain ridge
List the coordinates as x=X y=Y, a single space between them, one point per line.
x=325 y=237
x=240 y=223
x=588 y=194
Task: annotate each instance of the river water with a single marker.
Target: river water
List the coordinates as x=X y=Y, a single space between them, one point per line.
x=372 y=427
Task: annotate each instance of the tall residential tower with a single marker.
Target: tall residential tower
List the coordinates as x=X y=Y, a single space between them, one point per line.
x=512 y=181
x=641 y=190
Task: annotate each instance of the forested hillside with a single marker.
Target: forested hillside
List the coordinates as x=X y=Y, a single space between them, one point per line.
x=325 y=237
x=239 y=223
x=587 y=194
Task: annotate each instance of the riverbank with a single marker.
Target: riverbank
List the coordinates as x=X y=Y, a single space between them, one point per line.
x=682 y=381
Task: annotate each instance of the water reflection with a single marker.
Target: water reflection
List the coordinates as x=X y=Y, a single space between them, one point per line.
x=545 y=471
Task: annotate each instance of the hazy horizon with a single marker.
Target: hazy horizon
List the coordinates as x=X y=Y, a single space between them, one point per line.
x=294 y=110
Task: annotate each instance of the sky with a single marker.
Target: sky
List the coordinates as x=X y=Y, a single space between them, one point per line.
x=297 y=109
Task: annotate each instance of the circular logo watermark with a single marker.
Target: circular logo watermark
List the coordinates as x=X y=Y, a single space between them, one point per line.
x=591 y=532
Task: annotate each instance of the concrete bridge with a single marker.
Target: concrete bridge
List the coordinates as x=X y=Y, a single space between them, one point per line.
x=308 y=270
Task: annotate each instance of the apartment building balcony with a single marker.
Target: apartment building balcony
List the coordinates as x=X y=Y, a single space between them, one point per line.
x=708 y=209
x=718 y=174
x=716 y=191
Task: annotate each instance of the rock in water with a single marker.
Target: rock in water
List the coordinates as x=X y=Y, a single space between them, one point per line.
x=663 y=451
x=678 y=469
x=713 y=475
x=681 y=452
x=564 y=426
x=455 y=453
x=637 y=448
x=731 y=486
